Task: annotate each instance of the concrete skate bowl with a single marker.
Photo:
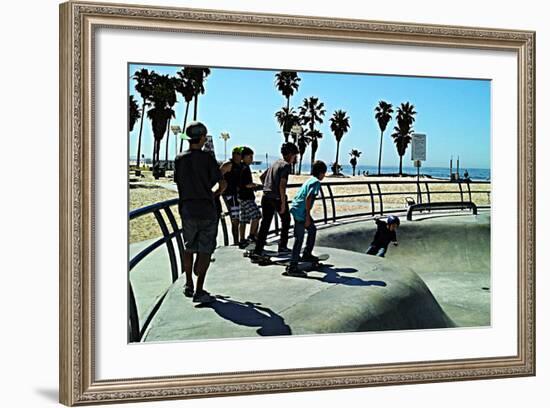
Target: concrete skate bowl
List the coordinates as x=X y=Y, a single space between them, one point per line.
x=450 y=253
x=438 y=277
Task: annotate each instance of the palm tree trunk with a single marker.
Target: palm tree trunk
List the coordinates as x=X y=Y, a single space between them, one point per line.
x=196 y=107
x=314 y=147
x=300 y=166
x=380 y=154
x=400 y=165
x=337 y=154
x=140 y=132
x=184 y=124
x=167 y=138
x=353 y=171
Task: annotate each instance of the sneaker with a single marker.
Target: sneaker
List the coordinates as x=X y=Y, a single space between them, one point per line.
x=309 y=258
x=203 y=297
x=293 y=270
x=260 y=259
x=243 y=244
x=188 y=290
x=284 y=250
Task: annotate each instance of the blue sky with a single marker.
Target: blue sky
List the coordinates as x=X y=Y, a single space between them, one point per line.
x=454 y=113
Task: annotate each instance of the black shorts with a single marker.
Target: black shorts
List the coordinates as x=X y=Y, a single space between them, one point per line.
x=233 y=206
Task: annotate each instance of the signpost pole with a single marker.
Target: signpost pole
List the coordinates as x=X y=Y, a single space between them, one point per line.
x=418 y=154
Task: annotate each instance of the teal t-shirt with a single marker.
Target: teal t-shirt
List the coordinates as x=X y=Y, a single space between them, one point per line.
x=298 y=206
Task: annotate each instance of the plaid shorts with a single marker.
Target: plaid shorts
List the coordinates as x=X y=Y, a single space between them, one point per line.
x=249 y=211
x=232 y=204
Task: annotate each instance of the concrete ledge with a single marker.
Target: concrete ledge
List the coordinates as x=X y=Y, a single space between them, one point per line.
x=354 y=292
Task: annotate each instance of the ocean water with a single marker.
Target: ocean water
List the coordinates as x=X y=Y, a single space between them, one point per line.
x=436 y=172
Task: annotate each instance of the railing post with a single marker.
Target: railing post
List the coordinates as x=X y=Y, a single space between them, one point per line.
x=381 y=200
x=332 y=202
x=428 y=193
x=169 y=245
x=371 y=200
x=461 y=193
x=176 y=229
x=133 y=319
x=225 y=233
x=323 y=198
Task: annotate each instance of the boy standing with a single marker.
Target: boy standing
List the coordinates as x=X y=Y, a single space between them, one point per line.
x=249 y=213
x=274 y=199
x=301 y=211
x=232 y=175
x=385 y=233
x=196 y=173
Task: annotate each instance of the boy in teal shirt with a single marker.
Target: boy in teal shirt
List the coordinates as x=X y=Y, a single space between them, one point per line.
x=301 y=211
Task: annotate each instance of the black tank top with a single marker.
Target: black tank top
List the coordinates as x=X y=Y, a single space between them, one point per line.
x=233 y=178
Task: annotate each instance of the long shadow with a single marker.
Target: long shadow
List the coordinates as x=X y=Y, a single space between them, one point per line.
x=249 y=314
x=332 y=275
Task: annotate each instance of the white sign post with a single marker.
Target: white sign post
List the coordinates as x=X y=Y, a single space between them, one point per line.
x=418 y=155
x=418 y=150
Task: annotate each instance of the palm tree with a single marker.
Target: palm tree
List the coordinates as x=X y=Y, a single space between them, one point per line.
x=185 y=86
x=144 y=88
x=287 y=118
x=303 y=141
x=198 y=76
x=314 y=136
x=383 y=116
x=287 y=82
x=355 y=154
x=312 y=112
x=403 y=130
x=339 y=125
x=163 y=98
x=133 y=112
x=172 y=100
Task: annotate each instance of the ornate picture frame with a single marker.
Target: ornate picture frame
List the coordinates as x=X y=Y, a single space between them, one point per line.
x=78 y=382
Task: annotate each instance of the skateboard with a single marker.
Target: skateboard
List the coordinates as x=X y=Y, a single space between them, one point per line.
x=249 y=250
x=306 y=266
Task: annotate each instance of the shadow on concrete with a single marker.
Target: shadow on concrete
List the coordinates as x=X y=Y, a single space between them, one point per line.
x=249 y=314
x=332 y=275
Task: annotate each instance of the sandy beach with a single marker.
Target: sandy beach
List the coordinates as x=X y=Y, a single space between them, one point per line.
x=145 y=191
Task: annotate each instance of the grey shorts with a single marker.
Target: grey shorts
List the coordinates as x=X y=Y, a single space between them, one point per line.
x=200 y=235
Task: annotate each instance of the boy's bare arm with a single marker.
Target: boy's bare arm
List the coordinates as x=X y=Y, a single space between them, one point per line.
x=309 y=203
x=222 y=185
x=282 y=194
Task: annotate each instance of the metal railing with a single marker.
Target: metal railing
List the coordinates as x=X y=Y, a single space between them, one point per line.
x=374 y=199
x=160 y=210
